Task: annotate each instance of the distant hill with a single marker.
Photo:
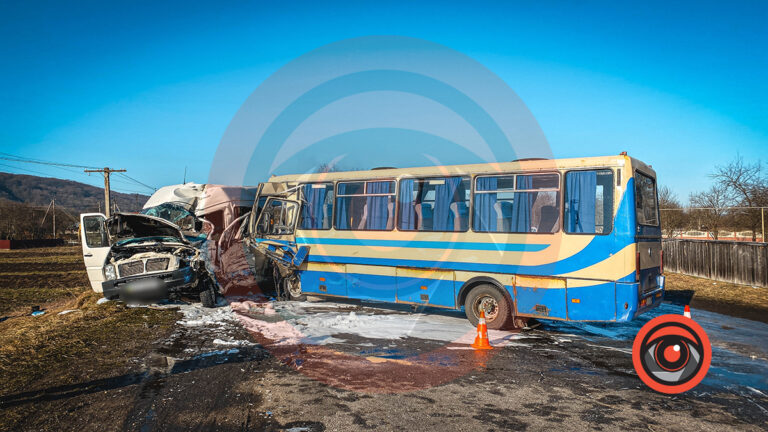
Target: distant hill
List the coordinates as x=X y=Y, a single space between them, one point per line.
x=74 y=196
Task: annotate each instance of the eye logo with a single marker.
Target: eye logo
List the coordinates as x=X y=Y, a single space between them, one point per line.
x=671 y=354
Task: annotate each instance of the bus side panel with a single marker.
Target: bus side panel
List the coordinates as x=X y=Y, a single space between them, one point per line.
x=371 y=282
x=542 y=297
x=591 y=300
x=325 y=278
x=426 y=286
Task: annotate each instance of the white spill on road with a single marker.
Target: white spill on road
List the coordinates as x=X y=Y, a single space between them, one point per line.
x=739 y=354
x=324 y=323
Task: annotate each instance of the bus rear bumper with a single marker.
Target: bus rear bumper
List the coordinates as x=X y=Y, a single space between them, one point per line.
x=630 y=304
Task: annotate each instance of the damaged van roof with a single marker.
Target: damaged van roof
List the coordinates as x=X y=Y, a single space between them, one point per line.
x=203 y=199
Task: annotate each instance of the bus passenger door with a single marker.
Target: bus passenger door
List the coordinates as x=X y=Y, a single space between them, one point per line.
x=426 y=286
x=540 y=296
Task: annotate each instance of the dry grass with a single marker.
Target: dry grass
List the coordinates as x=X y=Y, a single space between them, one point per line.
x=93 y=342
x=31 y=277
x=737 y=300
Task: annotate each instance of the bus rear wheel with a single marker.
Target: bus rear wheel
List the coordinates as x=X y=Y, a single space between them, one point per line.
x=488 y=298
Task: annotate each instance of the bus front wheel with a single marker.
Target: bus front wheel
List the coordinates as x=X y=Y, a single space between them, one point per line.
x=498 y=310
x=293 y=288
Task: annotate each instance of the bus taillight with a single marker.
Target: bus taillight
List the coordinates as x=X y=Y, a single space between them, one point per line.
x=637 y=267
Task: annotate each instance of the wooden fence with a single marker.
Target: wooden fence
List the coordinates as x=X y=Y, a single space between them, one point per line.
x=736 y=262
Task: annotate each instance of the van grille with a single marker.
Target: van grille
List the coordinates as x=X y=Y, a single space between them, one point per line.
x=157 y=264
x=131 y=268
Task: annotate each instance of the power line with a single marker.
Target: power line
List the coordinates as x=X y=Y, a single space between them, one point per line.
x=61 y=165
x=137 y=182
x=121 y=190
x=14 y=158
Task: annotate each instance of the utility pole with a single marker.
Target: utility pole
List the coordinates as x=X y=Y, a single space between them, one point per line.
x=53 y=203
x=106 y=171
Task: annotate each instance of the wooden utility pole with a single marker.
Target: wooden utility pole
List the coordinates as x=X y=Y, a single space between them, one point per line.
x=106 y=171
x=53 y=203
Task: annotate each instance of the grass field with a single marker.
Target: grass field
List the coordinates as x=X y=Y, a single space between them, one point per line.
x=45 y=352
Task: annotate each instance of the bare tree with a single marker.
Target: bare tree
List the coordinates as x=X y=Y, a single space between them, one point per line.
x=714 y=209
x=673 y=217
x=746 y=185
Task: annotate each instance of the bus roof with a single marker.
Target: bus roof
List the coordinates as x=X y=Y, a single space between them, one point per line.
x=530 y=165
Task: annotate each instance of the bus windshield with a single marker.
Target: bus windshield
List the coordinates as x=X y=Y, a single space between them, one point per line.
x=646 y=206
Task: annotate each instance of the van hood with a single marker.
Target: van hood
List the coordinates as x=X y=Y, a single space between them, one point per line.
x=127 y=226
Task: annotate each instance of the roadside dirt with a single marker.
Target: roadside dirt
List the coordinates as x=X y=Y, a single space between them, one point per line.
x=742 y=301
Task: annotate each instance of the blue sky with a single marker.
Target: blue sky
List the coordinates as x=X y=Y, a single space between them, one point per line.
x=152 y=87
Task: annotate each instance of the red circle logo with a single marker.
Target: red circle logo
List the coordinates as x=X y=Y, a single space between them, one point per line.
x=671 y=354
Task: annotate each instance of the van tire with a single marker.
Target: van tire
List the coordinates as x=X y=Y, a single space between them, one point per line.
x=491 y=298
x=208 y=295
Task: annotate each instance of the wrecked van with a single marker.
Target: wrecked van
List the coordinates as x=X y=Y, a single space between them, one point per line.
x=163 y=251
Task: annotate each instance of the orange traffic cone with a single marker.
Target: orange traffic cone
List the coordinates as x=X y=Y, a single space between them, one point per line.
x=687 y=311
x=481 y=340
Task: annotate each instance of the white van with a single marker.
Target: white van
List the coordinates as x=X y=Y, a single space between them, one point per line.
x=162 y=252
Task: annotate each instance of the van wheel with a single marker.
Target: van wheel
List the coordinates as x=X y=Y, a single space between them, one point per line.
x=293 y=288
x=488 y=298
x=208 y=295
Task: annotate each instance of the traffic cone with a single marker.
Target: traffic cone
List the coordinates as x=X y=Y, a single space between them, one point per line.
x=687 y=311
x=481 y=340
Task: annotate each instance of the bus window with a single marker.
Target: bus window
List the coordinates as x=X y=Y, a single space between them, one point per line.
x=646 y=207
x=318 y=207
x=589 y=202
x=435 y=204
x=365 y=205
x=517 y=203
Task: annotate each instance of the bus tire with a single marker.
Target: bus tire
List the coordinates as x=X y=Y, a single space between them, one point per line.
x=293 y=288
x=498 y=309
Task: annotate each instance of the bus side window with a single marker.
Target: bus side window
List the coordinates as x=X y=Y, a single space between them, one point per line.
x=522 y=203
x=589 y=202
x=365 y=205
x=318 y=206
x=434 y=204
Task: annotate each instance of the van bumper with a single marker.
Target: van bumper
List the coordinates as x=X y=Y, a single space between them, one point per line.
x=148 y=287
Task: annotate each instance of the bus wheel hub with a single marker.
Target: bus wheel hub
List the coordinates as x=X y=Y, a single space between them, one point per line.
x=489 y=305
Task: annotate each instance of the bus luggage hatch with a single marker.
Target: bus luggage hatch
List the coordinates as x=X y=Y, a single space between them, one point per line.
x=540 y=296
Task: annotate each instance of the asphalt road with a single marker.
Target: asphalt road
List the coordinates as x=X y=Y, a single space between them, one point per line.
x=344 y=366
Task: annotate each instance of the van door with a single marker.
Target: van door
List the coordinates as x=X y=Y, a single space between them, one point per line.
x=93 y=237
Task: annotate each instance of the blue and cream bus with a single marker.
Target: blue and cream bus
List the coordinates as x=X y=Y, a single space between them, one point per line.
x=566 y=239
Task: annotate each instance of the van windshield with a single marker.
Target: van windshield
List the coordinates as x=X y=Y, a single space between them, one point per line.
x=646 y=205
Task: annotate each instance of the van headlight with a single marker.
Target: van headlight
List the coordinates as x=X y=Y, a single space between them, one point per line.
x=109 y=272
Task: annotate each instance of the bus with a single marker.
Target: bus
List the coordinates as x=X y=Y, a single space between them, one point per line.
x=557 y=239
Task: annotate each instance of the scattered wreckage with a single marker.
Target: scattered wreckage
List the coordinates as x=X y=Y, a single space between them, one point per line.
x=163 y=252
